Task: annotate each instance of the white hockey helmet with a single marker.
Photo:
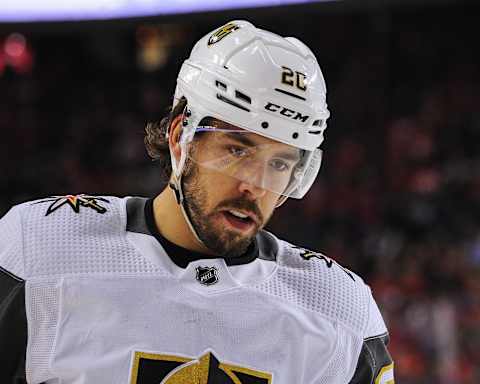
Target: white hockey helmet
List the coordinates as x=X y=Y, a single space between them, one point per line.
x=260 y=82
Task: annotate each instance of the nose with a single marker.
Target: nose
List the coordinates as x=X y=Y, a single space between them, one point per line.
x=252 y=180
x=251 y=190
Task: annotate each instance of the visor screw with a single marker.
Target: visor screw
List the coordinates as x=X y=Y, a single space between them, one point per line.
x=264 y=125
x=295 y=135
x=188 y=113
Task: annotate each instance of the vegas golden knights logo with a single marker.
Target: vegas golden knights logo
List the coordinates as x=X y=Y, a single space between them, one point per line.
x=150 y=368
x=309 y=255
x=74 y=202
x=220 y=33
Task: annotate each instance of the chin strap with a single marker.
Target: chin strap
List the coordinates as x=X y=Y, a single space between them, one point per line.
x=282 y=199
x=176 y=186
x=175 y=183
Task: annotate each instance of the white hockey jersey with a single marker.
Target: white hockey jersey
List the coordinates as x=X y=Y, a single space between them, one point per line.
x=91 y=294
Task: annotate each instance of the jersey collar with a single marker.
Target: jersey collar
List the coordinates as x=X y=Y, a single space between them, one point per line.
x=182 y=256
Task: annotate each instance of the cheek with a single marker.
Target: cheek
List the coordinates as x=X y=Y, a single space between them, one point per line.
x=217 y=187
x=220 y=184
x=268 y=204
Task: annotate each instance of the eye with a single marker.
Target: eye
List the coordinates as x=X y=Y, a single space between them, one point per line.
x=279 y=165
x=237 y=151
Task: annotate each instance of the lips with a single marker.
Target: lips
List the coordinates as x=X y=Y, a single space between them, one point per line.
x=243 y=215
x=238 y=223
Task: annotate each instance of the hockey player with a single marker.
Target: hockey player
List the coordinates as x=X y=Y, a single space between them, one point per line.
x=187 y=287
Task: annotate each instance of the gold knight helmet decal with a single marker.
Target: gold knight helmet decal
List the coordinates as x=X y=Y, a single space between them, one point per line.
x=149 y=368
x=221 y=32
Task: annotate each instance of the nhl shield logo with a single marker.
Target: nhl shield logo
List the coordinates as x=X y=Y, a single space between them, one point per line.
x=207 y=275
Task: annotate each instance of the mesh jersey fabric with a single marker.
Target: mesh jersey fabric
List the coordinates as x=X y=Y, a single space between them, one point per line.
x=11 y=242
x=105 y=305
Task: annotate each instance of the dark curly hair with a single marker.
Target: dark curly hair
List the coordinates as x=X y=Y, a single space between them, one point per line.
x=156 y=141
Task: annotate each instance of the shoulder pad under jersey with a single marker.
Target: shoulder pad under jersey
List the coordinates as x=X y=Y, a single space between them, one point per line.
x=76 y=234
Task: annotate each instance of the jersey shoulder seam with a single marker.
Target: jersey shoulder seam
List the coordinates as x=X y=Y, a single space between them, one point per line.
x=20 y=208
x=376 y=336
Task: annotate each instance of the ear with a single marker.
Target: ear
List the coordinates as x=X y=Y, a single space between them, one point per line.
x=175 y=132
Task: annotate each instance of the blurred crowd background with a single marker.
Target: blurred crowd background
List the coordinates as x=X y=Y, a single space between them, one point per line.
x=398 y=197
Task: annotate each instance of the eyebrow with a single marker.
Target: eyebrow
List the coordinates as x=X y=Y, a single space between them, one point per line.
x=240 y=138
x=287 y=155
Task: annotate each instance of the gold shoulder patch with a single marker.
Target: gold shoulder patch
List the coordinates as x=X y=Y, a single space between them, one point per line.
x=385 y=376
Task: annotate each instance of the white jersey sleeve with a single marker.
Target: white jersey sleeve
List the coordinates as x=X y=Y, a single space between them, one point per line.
x=13 y=323
x=375 y=365
x=11 y=244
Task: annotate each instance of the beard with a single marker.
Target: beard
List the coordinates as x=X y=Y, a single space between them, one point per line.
x=218 y=239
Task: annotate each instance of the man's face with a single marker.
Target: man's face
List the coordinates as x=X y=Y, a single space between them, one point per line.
x=216 y=200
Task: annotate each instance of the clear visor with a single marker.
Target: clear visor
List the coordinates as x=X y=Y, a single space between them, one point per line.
x=261 y=162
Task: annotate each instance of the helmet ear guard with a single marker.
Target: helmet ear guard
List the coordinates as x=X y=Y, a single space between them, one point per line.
x=175 y=182
x=185 y=137
x=177 y=166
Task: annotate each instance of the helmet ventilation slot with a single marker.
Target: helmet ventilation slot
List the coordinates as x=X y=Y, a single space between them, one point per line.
x=243 y=97
x=231 y=102
x=317 y=123
x=290 y=94
x=220 y=85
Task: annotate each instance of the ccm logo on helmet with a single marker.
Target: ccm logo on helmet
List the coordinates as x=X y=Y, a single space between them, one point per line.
x=286 y=112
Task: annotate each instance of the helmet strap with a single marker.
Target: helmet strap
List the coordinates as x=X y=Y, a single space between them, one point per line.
x=176 y=185
x=280 y=201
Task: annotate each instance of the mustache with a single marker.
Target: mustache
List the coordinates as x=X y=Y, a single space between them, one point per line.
x=243 y=205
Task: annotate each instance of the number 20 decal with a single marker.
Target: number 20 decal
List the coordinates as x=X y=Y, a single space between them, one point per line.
x=294 y=78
